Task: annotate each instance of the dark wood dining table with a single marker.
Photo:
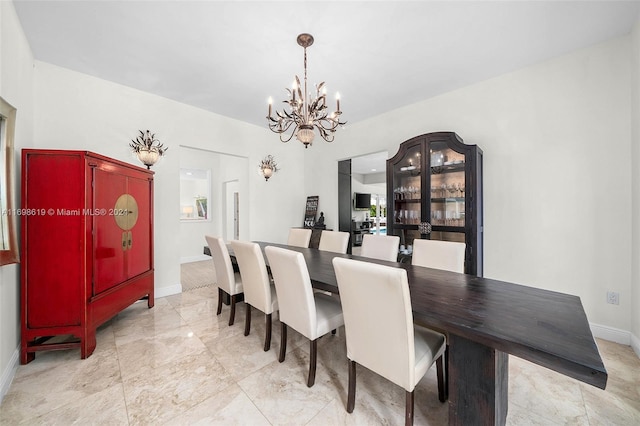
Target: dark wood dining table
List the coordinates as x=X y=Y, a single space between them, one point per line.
x=485 y=320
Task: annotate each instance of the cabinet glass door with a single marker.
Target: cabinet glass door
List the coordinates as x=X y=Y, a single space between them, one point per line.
x=447 y=192
x=407 y=188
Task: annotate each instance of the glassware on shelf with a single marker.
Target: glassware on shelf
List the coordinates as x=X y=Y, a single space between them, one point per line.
x=452 y=189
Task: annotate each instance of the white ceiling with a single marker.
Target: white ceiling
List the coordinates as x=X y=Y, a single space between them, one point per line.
x=371 y=163
x=228 y=57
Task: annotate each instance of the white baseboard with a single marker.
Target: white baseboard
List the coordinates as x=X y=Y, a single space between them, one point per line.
x=9 y=373
x=635 y=344
x=611 y=334
x=168 y=291
x=199 y=258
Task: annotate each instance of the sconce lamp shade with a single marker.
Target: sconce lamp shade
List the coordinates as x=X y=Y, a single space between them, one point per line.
x=148 y=157
x=147 y=148
x=268 y=167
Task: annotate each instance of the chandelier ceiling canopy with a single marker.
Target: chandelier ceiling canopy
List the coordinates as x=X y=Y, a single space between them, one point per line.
x=305 y=113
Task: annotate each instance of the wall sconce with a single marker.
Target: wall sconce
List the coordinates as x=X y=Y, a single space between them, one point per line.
x=147 y=148
x=268 y=167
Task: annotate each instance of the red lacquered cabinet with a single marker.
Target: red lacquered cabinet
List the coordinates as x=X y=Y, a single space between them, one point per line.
x=87 y=246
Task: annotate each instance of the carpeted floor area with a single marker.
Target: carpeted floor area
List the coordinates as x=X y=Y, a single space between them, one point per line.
x=195 y=275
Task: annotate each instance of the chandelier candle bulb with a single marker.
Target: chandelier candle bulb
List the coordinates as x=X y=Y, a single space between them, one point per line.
x=337 y=101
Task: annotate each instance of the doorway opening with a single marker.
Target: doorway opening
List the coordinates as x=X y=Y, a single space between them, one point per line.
x=365 y=176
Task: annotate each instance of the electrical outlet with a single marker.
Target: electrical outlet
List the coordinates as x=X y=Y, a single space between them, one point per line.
x=613 y=297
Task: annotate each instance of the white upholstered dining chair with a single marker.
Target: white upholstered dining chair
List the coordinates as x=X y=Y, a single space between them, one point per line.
x=382 y=247
x=258 y=290
x=334 y=241
x=299 y=237
x=228 y=281
x=447 y=255
x=311 y=314
x=380 y=333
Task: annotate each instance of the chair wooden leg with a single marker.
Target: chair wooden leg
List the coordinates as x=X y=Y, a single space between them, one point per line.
x=220 y=295
x=313 y=350
x=446 y=371
x=267 y=333
x=283 y=341
x=351 y=399
x=232 y=315
x=408 y=413
x=247 y=320
x=442 y=379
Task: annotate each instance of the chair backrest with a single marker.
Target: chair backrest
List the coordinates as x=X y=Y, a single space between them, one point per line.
x=255 y=278
x=224 y=270
x=299 y=237
x=447 y=255
x=334 y=241
x=382 y=247
x=378 y=319
x=296 y=304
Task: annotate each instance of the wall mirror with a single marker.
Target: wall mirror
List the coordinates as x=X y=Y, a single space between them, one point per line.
x=8 y=239
x=195 y=194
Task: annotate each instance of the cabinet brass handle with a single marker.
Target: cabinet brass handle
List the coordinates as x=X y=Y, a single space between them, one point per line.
x=129 y=239
x=124 y=241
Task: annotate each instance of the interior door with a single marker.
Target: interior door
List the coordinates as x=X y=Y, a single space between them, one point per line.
x=231 y=219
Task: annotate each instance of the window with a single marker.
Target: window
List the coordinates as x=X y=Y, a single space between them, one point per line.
x=8 y=243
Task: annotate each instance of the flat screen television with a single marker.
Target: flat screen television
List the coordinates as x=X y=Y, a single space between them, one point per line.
x=361 y=201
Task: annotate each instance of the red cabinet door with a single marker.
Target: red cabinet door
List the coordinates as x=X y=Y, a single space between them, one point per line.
x=138 y=255
x=109 y=241
x=53 y=275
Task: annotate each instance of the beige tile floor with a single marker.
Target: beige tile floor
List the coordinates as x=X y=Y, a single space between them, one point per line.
x=180 y=364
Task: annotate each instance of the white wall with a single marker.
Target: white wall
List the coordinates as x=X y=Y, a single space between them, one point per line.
x=557 y=171
x=16 y=87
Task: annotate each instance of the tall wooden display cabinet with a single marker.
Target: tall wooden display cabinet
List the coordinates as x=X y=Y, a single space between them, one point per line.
x=87 y=246
x=434 y=191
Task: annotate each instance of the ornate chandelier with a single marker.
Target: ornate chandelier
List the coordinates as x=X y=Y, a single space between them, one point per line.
x=304 y=113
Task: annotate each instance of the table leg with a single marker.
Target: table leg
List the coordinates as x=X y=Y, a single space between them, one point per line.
x=479 y=383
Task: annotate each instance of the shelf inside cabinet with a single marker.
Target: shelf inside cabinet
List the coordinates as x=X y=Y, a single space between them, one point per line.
x=405 y=225
x=446 y=200
x=412 y=172
x=446 y=228
x=417 y=201
x=449 y=168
